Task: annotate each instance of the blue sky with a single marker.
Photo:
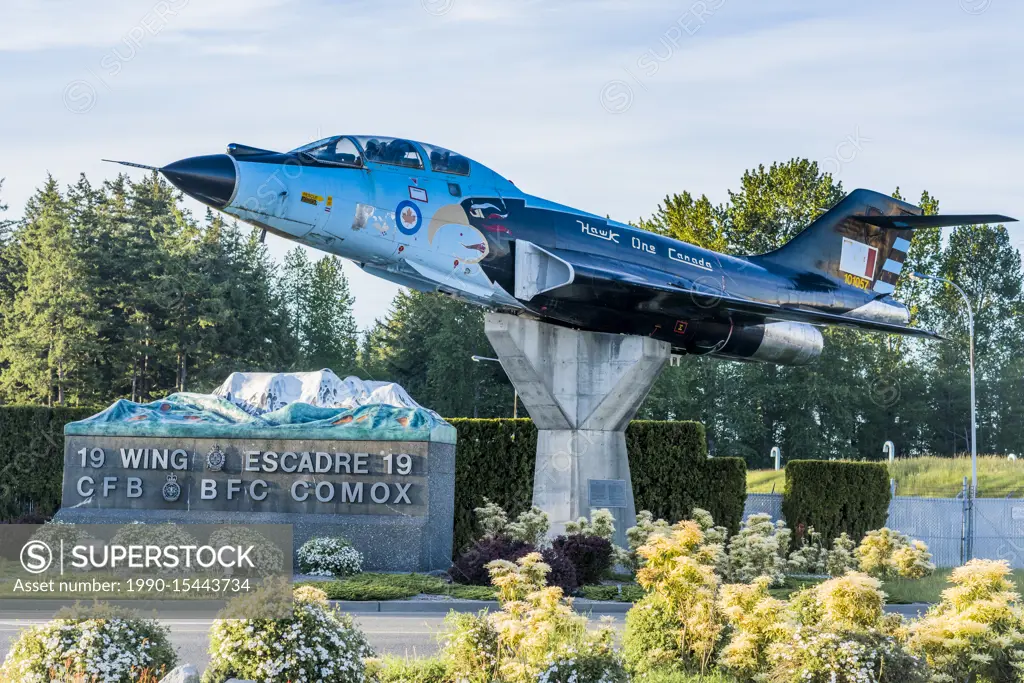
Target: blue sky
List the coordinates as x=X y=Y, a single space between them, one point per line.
x=607 y=105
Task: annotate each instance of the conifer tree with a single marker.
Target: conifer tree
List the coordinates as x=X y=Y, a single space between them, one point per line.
x=329 y=328
x=49 y=336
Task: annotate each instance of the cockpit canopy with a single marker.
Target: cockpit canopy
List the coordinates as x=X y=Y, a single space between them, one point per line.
x=337 y=150
x=354 y=151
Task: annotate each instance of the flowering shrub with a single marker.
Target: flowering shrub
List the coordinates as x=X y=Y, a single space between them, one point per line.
x=843 y=636
x=646 y=526
x=329 y=557
x=536 y=635
x=886 y=554
x=817 y=656
x=601 y=524
x=811 y=557
x=977 y=631
x=101 y=643
x=470 y=646
x=759 y=549
x=266 y=557
x=842 y=558
x=140 y=533
x=679 y=573
x=595 y=662
x=55 y=531
x=757 y=620
x=317 y=643
x=531 y=526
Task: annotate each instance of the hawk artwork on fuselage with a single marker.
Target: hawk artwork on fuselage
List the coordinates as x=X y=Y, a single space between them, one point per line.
x=430 y=219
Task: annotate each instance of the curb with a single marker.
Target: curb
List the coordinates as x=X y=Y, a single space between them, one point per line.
x=581 y=605
x=444 y=606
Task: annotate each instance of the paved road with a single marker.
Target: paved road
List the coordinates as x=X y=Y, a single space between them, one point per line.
x=403 y=634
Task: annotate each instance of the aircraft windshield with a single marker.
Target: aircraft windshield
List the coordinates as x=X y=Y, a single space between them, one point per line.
x=390 y=151
x=447 y=161
x=335 y=150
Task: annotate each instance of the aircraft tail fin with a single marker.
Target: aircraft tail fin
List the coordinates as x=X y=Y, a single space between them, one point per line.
x=863 y=240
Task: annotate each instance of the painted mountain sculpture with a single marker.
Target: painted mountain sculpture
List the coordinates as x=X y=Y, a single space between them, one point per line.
x=263 y=405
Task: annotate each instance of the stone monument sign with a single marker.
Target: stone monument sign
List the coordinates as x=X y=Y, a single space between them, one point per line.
x=330 y=457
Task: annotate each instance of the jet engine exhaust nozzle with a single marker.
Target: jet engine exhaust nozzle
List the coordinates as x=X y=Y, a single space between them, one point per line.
x=211 y=179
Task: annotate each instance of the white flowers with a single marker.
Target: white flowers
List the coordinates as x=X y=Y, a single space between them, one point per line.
x=317 y=643
x=329 y=557
x=759 y=549
x=106 y=648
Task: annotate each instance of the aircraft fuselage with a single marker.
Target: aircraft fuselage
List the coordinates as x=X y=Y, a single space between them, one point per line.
x=427 y=218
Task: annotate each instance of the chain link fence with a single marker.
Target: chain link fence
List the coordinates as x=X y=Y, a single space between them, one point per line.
x=955 y=529
x=757 y=503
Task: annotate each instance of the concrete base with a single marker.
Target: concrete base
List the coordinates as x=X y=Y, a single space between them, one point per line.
x=581 y=389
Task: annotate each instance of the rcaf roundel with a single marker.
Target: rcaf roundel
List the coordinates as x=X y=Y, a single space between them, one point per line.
x=408 y=217
x=858 y=259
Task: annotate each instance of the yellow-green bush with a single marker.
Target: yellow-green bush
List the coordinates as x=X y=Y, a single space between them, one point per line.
x=976 y=632
x=679 y=568
x=887 y=554
x=841 y=635
x=535 y=636
x=757 y=620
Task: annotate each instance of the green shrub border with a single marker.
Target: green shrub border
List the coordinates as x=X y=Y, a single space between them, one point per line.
x=32 y=457
x=836 y=496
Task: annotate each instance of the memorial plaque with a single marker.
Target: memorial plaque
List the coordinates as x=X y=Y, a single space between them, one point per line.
x=607 y=493
x=381 y=476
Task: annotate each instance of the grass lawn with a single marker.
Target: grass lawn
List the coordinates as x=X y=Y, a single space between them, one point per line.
x=929 y=589
x=928 y=476
x=373 y=586
x=630 y=592
x=764 y=481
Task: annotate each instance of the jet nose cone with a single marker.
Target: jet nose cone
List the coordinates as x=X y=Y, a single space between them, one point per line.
x=210 y=179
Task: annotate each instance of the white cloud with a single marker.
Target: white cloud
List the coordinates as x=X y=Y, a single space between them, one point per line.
x=33 y=25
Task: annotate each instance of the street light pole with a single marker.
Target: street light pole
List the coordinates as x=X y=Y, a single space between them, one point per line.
x=515 y=392
x=974 y=405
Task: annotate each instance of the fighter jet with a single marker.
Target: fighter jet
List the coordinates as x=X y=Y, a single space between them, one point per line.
x=428 y=218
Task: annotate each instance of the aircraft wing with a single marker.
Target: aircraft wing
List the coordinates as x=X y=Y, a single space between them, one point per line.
x=687 y=299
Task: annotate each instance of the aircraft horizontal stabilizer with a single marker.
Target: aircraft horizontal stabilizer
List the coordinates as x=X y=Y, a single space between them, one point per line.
x=918 y=222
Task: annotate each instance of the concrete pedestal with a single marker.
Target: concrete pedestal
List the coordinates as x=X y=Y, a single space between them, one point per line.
x=581 y=389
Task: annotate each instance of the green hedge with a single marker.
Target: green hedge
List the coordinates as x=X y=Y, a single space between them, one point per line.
x=32 y=458
x=671 y=473
x=836 y=496
x=668 y=462
x=494 y=459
